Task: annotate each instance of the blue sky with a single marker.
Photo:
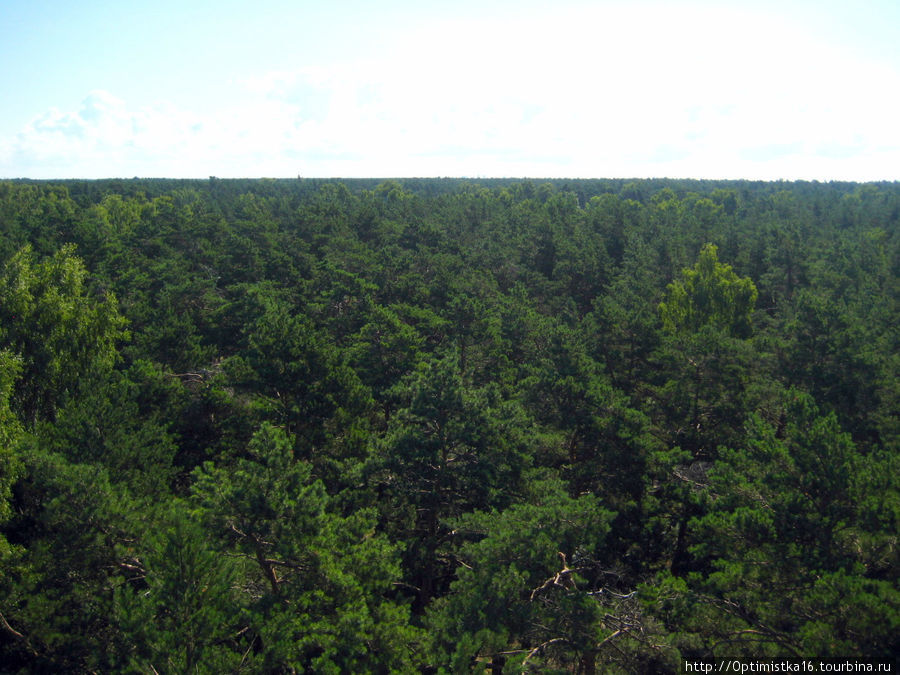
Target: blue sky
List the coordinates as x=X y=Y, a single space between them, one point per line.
x=756 y=89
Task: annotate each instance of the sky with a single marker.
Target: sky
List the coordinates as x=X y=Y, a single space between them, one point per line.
x=754 y=89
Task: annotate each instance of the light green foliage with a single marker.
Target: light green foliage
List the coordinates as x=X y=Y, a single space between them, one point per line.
x=61 y=331
x=710 y=293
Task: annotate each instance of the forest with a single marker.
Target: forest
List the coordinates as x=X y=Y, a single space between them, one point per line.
x=445 y=425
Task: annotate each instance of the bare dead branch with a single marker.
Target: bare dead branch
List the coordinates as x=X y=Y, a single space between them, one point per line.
x=562 y=578
x=539 y=648
x=9 y=628
x=607 y=639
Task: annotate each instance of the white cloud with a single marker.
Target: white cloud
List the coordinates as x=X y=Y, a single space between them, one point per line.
x=596 y=92
x=106 y=137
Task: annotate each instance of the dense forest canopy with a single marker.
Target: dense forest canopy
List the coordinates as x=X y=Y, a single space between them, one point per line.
x=438 y=425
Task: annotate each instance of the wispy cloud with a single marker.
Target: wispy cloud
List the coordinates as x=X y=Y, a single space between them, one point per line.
x=609 y=92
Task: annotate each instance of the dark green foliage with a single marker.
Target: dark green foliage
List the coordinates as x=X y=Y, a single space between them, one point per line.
x=433 y=426
x=538 y=590
x=797 y=536
x=316 y=582
x=183 y=612
x=115 y=426
x=447 y=450
x=71 y=532
x=10 y=432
